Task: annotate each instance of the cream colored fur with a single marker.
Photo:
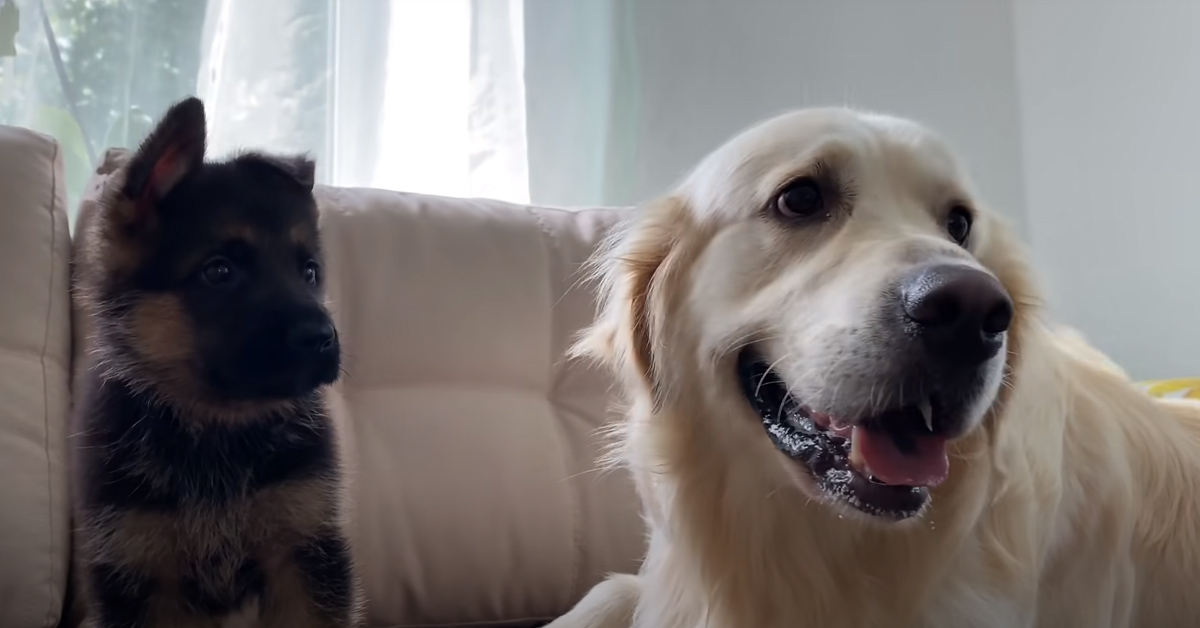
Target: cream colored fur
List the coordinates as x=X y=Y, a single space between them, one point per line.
x=1072 y=504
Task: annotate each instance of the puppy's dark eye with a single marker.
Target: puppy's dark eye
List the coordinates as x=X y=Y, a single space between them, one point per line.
x=801 y=198
x=958 y=224
x=217 y=271
x=312 y=272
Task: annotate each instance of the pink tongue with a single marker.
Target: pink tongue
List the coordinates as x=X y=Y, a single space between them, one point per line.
x=927 y=466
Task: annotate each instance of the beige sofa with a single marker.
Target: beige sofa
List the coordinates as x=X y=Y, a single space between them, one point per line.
x=472 y=440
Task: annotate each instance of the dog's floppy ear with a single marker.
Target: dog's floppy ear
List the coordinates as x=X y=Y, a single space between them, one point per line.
x=174 y=149
x=300 y=169
x=630 y=267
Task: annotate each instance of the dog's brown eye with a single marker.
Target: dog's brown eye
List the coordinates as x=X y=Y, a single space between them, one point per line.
x=958 y=224
x=802 y=198
x=217 y=272
x=312 y=272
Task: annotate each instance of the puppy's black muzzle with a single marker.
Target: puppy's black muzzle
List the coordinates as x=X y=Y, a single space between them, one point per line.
x=290 y=351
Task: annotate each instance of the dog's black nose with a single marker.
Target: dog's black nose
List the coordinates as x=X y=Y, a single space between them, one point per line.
x=959 y=312
x=312 y=336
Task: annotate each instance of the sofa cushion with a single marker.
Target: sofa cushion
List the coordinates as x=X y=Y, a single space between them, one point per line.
x=471 y=440
x=476 y=500
x=35 y=346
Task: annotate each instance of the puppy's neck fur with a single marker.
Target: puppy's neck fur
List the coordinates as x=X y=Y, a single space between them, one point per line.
x=113 y=365
x=159 y=396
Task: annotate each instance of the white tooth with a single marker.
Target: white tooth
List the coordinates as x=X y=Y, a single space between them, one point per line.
x=856 y=458
x=927 y=412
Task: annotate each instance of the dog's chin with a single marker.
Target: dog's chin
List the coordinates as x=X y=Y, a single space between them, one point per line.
x=883 y=467
x=294 y=381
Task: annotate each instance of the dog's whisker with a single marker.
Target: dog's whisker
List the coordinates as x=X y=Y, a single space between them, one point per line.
x=758 y=388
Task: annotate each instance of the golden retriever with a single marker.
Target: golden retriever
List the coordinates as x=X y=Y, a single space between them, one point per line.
x=845 y=407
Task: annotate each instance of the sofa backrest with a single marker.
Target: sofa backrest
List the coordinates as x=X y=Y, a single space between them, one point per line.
x=35 y=358
x=471 y=440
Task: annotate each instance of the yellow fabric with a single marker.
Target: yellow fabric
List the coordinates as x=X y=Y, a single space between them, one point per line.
x=1179 y=388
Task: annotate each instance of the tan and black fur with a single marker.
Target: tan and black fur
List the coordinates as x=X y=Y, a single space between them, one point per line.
x=207 y=476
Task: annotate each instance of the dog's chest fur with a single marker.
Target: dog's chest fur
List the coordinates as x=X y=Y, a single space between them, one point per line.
x=148 y=456
x=672 y=599
x=766 y=568
x=203 y=509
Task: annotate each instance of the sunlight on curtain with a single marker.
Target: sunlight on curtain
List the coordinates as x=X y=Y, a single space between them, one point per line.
x=416 y=95
x=423 y=129
x=453 y=119
x=497 y=131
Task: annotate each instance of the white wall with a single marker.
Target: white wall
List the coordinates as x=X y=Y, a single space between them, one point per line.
x=1110 y=105
x=1080 y=119
x=711 y=67
x=621 y=119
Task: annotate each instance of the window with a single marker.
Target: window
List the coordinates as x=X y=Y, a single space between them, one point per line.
x=417 y=95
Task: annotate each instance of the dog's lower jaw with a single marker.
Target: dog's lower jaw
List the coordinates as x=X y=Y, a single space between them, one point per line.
x=735 y=538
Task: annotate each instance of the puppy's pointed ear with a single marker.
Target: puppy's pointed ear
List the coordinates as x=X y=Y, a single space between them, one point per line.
x=172 y=151
x=300 y=169
x=634 y=270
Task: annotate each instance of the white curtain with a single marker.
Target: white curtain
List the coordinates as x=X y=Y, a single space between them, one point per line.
x=417 y=95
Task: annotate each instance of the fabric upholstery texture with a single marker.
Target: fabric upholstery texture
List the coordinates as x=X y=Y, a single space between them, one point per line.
x=35 y=354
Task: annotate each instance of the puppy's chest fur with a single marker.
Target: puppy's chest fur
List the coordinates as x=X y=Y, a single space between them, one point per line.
x=204 y=510
x=150 y=456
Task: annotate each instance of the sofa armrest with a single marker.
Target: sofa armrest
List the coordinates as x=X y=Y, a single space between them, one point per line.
x=35 y=357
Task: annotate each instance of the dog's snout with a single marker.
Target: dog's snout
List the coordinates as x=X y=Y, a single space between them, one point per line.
x=312 y=336
x=959 y=312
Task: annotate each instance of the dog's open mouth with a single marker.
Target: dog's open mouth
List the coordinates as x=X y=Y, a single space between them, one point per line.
x=883 y=465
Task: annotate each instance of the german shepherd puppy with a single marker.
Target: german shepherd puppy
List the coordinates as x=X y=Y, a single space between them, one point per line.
x=207 y=468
